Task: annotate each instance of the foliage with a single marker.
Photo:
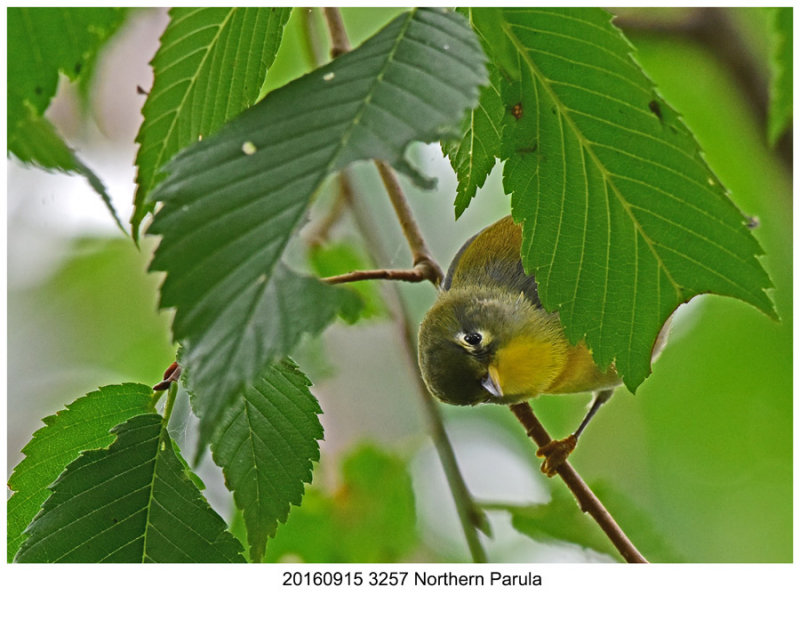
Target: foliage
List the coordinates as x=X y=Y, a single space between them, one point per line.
x=131 y=502
x=623 y=221
x=473 y=154
x=369 y=517
x=265 y=445
x=559 y=520
x=237 y=304
x=48 y=42
x=83 y=425
x=196 y=88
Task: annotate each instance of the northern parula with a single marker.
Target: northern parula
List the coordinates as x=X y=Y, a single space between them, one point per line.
x=487 y=337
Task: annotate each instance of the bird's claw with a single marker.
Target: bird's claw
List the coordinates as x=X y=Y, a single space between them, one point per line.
x=555 y=453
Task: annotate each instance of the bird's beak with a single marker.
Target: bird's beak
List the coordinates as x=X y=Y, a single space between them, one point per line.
x=492 y=382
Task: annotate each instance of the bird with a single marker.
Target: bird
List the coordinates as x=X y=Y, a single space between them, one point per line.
x=487 y=338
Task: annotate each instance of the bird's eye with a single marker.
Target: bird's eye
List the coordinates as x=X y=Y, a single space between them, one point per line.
x=473 y=339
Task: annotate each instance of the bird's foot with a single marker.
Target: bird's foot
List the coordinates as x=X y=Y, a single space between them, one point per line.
x=555 y=453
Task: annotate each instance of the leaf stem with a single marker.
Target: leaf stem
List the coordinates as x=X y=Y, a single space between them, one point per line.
x=311 y=44
x=155 y=398
x=172 y=394
x=587 y=500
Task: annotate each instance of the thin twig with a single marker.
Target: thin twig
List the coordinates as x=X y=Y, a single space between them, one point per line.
x=587 y=500
x=420 y=255
x=402 y=275
x=340 y=44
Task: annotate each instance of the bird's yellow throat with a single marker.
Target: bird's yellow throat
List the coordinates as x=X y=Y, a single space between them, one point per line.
x=527 y=366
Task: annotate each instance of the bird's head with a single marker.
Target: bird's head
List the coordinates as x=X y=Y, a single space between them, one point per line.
x=476 y=347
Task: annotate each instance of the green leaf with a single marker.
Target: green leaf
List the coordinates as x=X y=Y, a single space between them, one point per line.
x=84 y=424
x=473 y=155
x=42 y=43
x=45 y=41
x=210 y=66
x=622 y=218
x=265 y=445
x=780 y=88
x=95 y=311
x=266 y=320
x=33 y=140
x=370 y=518
x=562 y=520
x=232 y=201
x=132 y=502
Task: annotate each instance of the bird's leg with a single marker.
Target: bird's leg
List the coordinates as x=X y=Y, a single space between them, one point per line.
x=555 y=453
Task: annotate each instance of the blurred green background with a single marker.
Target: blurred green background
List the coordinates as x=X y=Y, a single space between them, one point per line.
x=697 y=465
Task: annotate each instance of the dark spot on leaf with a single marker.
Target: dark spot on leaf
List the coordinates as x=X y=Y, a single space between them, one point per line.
x=553 y=109
x=528 y=149
x=753 y=222
x=38 y=90
x=655 y=108
x=78 y=67
x=516 y=110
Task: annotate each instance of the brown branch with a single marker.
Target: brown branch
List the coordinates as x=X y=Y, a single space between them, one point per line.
x=420 y=255
x=340 y=44
x=400 y=275
x=587 y=500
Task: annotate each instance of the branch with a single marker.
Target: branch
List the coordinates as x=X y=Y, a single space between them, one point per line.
x=401 y=275
x=587 y=500
x=340 y=44
x=420 y=254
